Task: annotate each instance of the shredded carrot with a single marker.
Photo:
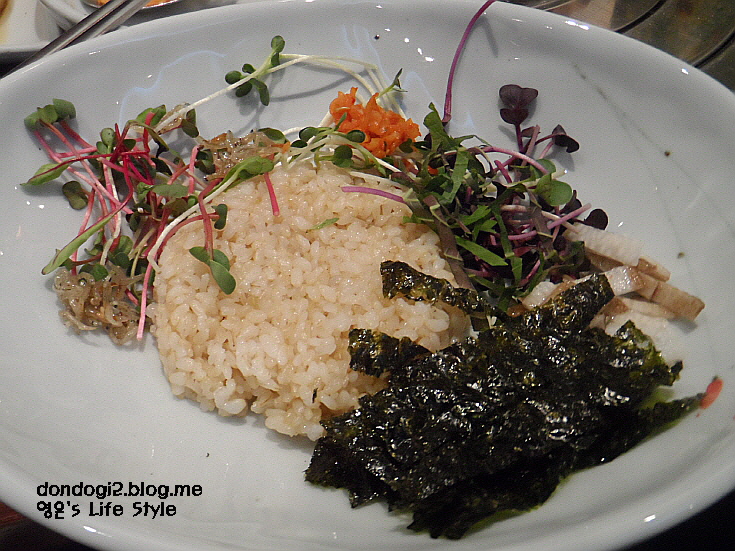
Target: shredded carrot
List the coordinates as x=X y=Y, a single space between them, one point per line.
x=385 y=130
x=713 y=391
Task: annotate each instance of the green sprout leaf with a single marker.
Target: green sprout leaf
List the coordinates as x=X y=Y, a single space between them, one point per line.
x=481 y=252
x=233 y=76
x=262 y=89
x=159 y=113
x=223 y=277
x=63 y=254
x=200 y=253
x=170 y=190
x=247 y=168
x=357 y=136
x=342 y=156
x=120 y=259
x=221 y=211
x=47 y=173
x=75 y=194
x=124 y=245
x=324 y=224
x=189 y=124
x=308 y=132
x=244 y=89
x=97 y=271
x=554 y=192
x=219 y=266
x=220 y=258
x=277 y=45
x=274 y=134
x=64 y=109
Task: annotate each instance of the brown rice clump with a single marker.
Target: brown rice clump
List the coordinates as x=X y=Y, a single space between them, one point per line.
x=278 y=344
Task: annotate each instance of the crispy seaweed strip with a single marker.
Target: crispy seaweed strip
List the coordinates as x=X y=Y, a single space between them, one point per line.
x=571 y=313
x=376 y=353
x=401 y=280
x=494 y=422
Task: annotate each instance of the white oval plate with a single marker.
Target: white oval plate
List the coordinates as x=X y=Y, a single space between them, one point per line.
x=656 y=153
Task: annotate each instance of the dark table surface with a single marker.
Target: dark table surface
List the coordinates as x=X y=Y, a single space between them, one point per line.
x=700 y=32
x=710 y=530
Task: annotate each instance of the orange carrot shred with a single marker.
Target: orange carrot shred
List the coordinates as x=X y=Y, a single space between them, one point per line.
x=384 y=130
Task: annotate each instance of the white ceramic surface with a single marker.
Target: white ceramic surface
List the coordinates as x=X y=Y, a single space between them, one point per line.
x=25 y=27
x=656 y=153
x=68 y=12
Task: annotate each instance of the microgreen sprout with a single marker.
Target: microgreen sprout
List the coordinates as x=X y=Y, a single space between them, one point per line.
x=219 y=265
x=500 y=221
x=500 y=213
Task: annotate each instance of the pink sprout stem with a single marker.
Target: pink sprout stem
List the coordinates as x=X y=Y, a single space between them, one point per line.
x=144 y=301
x=207 y=218
x=502 y=168
x=531 y=273
x=272 y=194
x=457 y=54
x=373 y=191
x=523 y=236
x=192 y=161
x=517 y=155
x=559 y=221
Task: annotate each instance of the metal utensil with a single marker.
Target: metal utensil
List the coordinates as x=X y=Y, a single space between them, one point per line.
x=149 y=5
x=109 y=16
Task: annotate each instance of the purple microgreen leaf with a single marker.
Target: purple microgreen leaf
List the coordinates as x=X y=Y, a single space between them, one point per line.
x=516 y=100
x=562 y=139
x=514 y=96
x=597 y=218
x=514 y=116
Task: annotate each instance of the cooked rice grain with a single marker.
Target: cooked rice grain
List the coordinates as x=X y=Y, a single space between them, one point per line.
x=278 y=344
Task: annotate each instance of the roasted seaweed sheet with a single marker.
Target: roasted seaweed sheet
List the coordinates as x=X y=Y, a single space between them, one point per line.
x=494 y=422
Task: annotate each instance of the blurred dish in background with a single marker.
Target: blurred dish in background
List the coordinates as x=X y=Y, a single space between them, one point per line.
x=25 y=27
x=69 y=12
x=151 y=4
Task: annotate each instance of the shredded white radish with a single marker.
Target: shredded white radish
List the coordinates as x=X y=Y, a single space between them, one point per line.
x=622 y=248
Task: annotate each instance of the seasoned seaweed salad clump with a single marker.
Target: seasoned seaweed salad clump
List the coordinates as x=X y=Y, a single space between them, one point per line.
x=494 y=422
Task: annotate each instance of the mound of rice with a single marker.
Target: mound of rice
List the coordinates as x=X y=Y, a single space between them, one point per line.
x=278 y=344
